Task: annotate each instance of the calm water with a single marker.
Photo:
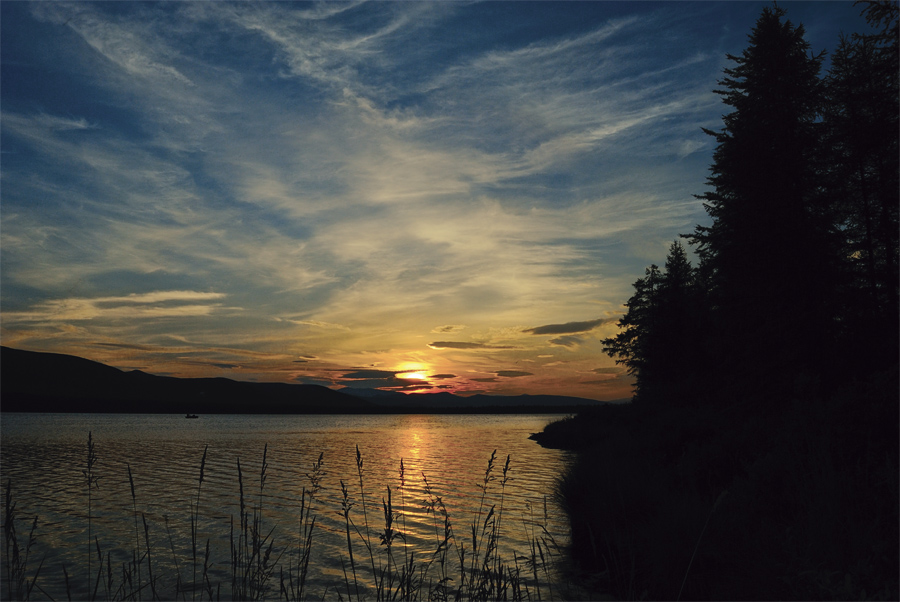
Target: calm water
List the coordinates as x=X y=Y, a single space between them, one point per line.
x=43 y=456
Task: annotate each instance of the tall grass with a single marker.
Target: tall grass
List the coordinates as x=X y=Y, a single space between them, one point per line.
x=18 y=585
x=259 y=567
x=91 y=480
x=195 y=519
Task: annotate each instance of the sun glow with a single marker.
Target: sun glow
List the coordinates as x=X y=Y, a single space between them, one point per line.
x=413 y=375
x=413 y=371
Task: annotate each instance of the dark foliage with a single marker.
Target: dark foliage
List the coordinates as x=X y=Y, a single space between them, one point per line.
x=797 y=283
x=759 y=457
x=737 y=503
x=658 y=342
x=861 y=181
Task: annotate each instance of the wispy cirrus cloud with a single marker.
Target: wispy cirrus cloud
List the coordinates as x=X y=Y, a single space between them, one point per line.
x=466 y=345
x=287 y=205
x=159 y=304
x=348 y=175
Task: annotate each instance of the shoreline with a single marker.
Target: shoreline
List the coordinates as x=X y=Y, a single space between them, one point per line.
x=790 y=501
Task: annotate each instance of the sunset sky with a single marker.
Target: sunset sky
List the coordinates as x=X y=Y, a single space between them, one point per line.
x=426 y=196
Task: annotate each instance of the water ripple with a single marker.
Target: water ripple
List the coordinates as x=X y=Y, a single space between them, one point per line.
x=44 y=457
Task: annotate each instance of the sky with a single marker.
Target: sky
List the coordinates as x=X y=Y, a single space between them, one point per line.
x=415 y=196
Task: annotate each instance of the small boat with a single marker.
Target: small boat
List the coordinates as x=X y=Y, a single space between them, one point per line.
x=190 y=415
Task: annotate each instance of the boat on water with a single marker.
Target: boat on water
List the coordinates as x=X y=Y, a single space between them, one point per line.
x=190 y=415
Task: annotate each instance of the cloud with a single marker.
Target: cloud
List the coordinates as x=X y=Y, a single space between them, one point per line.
x=313 y=380
x=343 y=194
x=569 y=327
x=116 y=44
x=513 y=373
x=567 y=341
x=441 y=376
x=463 y=345
x=62 y=124
x=380 y=379
x=317 y=324
x=154 y=305
x=448 y=328
x=359 y=374
x=127 y=346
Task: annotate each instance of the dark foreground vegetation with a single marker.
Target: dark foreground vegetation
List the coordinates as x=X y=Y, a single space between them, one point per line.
x=735 y=502
x=759 y=456
x=459 y=561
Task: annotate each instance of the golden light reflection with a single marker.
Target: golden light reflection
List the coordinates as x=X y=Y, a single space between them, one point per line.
x=414 y=443
x=414 y=438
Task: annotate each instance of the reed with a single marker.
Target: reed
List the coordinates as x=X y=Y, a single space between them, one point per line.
x=362 y=493
x=17 y=582
x=195 y=518
x=174 y=556
x=91 y=480
x=346 y=505
x=137 y=538
x=149 y=562
x=252 y=565
x=447 y=571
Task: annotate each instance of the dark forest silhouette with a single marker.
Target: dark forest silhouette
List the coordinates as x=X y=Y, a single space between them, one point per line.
x=759 y=457
x=797 y=281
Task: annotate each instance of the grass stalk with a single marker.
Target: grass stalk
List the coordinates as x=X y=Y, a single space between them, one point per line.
x=68 y=585
x=137 y=538
x=91 y=480
x=362 y=494
x=476 y=540
x=406 y=583
x=17 y=583
x=346 y=505
x=195 y=517
x=697 y=545
x=174 y=556
x=478 y=573
x=149 y=559
x=503 y=481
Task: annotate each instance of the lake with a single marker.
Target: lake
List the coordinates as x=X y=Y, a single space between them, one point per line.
x=401 y=547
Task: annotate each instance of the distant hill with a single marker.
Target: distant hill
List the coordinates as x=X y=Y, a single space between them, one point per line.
x=51 y=382
x=448 y=402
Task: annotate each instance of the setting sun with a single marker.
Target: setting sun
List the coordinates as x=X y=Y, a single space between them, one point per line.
x=413 y=371
x=413 y=375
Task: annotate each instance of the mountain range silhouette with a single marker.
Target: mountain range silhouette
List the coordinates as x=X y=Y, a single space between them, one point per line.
x=50 y=382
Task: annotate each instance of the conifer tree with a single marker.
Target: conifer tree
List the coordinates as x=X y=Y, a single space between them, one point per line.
x=861 y=130
x=657 y=342
x=769 y=249
x=634 y=346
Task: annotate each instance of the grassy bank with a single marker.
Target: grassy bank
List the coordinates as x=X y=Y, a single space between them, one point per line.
x=737 y=502
x=458 y=561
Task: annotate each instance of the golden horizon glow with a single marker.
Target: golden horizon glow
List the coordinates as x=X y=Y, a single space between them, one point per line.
x=413 y=371
x=413 y=375
x=367 y=232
